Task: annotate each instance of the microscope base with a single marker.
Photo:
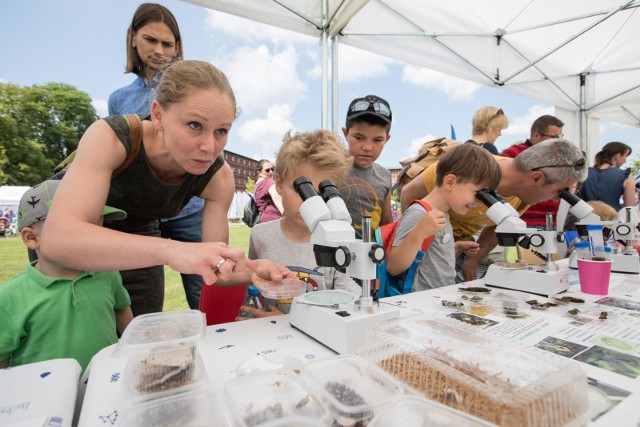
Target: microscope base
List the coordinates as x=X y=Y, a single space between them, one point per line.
x=626 y=264
x=531 y=279
x=344 y=335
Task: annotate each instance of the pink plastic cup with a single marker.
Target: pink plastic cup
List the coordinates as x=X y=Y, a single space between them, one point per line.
x=594 y=276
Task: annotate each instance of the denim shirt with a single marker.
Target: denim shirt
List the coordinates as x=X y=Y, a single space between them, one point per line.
x=136 y=99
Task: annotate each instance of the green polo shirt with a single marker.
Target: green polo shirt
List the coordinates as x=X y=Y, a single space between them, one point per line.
x=43 y=317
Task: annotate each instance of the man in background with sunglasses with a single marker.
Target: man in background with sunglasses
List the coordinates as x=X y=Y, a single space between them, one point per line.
x=367 y=188
x=537 y=174
x=543 y=128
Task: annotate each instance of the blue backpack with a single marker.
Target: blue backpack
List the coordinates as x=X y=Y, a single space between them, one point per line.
x=388 y=285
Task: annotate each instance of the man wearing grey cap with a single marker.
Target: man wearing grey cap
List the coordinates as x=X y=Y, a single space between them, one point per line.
x=50 y=311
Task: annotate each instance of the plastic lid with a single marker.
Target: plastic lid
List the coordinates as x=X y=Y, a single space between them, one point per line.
x=253 y=291
x=354 y=387
x=269 y=362
x=284 y=289
x=257 y=398
x=184 y=327
x=416 y=411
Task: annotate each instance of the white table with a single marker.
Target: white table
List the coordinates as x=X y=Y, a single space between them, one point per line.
x=227 y=345
x=39 y=394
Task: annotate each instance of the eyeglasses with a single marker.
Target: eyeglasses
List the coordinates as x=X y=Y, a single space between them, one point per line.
x=498 y=113
x=552 y=136
x=268 y=170
x=577 y=165
x=365 y=105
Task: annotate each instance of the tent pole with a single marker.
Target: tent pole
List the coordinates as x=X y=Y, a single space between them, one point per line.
x=325 y=67
x=334 y=84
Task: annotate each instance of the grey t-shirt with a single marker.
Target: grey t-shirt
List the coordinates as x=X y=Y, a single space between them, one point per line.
x=268 y=241
x=438 y=265
x=364 y=191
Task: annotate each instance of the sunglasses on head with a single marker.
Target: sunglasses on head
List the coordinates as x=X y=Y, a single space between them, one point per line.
x=365 y=105
x=577 y=165
x=268 y=170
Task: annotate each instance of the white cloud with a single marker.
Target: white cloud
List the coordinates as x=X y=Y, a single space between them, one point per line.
x=357 y=64
x=416 y=143
x=101 y=107
x=266 y=133
x=262 y=78
x=455 y=88
x=254 y=31
x=521 y=125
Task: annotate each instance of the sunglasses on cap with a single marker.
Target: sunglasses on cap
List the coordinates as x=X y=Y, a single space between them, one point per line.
x=374 y=105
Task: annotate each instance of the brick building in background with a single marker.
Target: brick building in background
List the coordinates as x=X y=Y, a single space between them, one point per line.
x=243 y=167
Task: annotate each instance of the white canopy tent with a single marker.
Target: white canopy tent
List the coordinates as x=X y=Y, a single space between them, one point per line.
x=582 y=57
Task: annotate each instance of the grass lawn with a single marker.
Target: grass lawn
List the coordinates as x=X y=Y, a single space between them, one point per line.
x=14 y=260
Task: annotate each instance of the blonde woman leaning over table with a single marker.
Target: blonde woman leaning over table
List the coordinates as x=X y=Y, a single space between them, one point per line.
x=180 y=156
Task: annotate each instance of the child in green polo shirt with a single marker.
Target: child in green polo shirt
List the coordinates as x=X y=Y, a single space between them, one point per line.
x=50 y=311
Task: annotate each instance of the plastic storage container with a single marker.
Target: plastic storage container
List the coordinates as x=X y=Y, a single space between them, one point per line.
x=414 y=411
x=273 y=395
x=191 y=409
x=353 y=388
x=162 y=349
x=500 y=381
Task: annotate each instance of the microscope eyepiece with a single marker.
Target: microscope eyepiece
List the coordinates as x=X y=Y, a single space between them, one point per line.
x=486 y=197
x=328 y=190
x=569 y=197
x=303 y=186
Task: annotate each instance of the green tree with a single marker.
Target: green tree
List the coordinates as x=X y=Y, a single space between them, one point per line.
x=250 y=185
x=41 y=125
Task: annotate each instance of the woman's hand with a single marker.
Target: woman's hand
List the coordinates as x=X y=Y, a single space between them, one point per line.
x=211 y=260
x=264 y=270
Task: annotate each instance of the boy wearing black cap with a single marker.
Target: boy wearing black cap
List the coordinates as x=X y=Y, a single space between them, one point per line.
x=51 y=311
x=367 y=188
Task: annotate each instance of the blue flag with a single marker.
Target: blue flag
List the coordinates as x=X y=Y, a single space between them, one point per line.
x=453 y=133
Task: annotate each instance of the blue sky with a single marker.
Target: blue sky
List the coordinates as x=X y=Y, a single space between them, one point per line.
x=275 y=74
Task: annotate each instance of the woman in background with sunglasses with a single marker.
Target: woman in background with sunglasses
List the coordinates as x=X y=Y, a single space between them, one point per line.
x=267 y=197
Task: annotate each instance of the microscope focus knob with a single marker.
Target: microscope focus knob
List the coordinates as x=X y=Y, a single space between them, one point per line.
x=342 y=257
x=376 y=253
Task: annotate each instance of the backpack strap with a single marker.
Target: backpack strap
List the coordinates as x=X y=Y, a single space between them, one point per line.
x=135 y=129
x=428 y=208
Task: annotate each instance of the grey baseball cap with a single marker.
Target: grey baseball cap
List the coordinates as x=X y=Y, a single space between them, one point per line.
x=36 y=201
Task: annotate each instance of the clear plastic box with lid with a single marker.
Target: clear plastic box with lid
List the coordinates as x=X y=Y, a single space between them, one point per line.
x=162 y=352
x=268 y=396
x=501 y=381
x=353 y=388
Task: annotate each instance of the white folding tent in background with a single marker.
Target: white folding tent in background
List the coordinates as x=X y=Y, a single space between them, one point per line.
x=580 y=56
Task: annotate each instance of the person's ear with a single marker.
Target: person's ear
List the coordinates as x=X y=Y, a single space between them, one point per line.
x=156 y=115
x=345 y=132
x=449 y=181
x=536 y=177
x=278 y=184
x=131 y=36
x=30 y=238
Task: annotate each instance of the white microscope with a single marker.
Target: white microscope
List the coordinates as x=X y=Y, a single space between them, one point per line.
x=547 y=279
x=334 y=317
x=624 y=260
